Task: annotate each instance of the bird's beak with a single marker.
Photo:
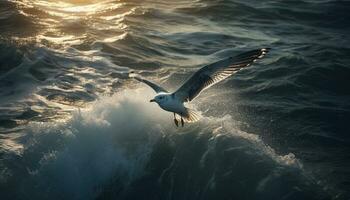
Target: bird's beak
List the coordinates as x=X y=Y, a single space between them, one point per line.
x=152 y=100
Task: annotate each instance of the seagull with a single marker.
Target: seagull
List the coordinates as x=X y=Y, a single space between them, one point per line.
x=204 y=78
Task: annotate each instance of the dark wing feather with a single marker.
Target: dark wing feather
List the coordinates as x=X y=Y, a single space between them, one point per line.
x=154 y=86
x=216 y=72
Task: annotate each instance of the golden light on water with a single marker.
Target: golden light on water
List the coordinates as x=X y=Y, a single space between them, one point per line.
x=72 y=9
x=64 y=28
x=70 y=22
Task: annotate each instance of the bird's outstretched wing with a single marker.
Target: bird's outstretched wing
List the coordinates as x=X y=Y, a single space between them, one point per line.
x=154 y=86
x=216 y=72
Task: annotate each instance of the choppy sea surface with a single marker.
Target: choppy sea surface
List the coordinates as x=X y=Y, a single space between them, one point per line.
x=73 y=125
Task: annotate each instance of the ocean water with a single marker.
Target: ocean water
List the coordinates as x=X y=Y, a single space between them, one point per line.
x=73 y=125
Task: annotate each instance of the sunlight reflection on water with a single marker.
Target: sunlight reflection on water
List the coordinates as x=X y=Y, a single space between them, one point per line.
x=72 y=22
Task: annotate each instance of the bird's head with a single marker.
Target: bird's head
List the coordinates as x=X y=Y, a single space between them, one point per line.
x=160 y=98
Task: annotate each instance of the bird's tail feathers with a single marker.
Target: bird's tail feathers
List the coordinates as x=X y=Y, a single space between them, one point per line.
x=191 y=115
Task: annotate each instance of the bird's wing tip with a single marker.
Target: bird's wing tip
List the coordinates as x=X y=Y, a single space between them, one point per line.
x=132 y=74
x=264 y=51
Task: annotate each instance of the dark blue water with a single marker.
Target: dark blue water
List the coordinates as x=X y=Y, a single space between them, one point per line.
x=73 y=125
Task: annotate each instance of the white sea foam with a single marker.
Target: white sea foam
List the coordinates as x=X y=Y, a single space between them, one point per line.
x=111 y=138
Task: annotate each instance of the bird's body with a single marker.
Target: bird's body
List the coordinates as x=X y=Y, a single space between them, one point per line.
x=171 y=103
x=199 y=81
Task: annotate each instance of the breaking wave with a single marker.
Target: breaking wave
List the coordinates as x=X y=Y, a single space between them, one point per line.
x=105 y=149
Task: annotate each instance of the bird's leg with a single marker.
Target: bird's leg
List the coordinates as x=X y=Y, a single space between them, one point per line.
x=182 y=122
x=175 y=120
